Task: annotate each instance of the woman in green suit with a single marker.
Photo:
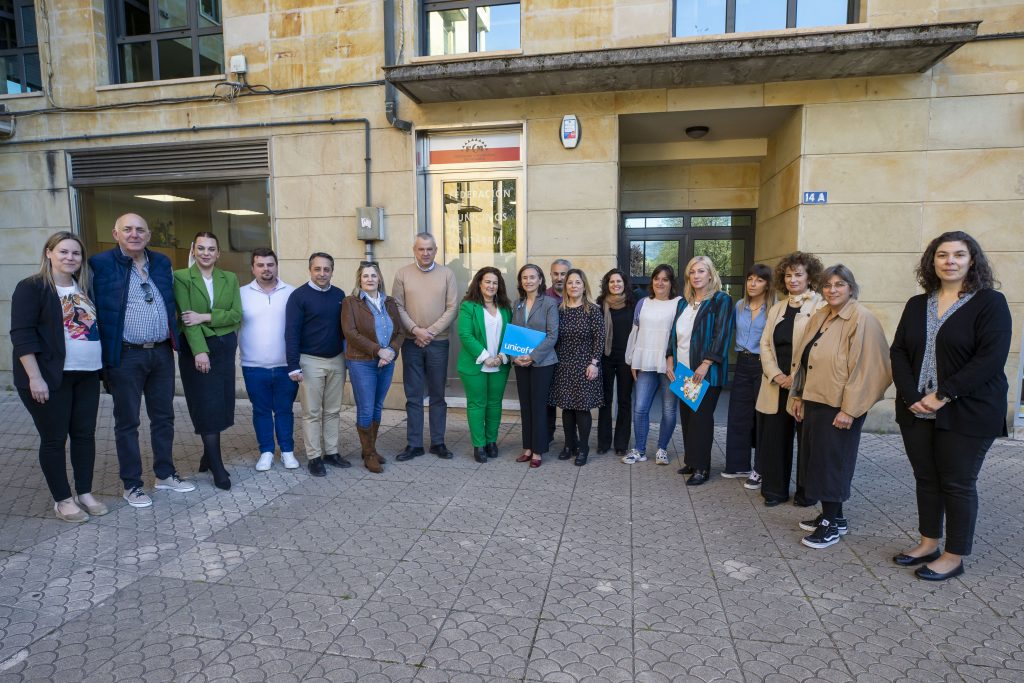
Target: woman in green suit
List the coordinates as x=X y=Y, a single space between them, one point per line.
x=210 y=308
x=483 y=315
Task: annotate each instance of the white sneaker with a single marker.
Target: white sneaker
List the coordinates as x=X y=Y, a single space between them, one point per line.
x=661 y=457
x=753 y=482
x=288 y=458
x=265 y=461
x=736 y=475
x=634 y=456
x=174 y=483
x=137 y=497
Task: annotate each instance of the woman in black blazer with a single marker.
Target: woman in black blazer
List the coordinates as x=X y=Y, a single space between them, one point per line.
x=56 y=366
x=947 y=362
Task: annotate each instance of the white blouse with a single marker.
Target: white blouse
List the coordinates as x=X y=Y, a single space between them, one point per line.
x=684 y=330
x=492 y=327
x=650 y=335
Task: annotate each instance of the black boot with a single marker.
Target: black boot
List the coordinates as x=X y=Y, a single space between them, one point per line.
x=211 y=452
x=581 y=457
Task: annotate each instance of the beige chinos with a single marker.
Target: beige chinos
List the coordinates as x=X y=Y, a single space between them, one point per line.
x=323 y=382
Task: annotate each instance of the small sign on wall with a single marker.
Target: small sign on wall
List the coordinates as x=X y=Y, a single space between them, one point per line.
x=570 y=131
x=815 y=197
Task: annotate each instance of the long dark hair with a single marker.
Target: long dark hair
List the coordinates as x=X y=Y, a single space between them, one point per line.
x=673 y=289
x=474 y=294
x=761 y=272
x=979 y=276
x=519 y=279
x=628 y=291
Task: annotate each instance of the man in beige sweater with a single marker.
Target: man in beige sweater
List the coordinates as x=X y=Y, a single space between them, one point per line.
x=427 y=299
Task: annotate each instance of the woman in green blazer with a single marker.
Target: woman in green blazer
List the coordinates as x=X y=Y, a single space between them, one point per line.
x=483 y=315
x=210 y=308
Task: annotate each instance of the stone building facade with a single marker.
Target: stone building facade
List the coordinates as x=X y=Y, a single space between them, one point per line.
x=856 y=129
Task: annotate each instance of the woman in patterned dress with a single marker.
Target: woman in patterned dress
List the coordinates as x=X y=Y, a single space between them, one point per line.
x=577 y=386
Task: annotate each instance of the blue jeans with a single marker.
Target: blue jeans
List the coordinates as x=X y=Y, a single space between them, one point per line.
x=148 y=372
x=272 y=394
x=424 y=371
x=370 y=385
x=647 y=385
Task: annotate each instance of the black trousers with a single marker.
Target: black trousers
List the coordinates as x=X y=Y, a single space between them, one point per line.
x=69 y=412
x=831 y=452
x=615 y=372
x=775 y=450
x=946 y=466
x=534 y=384
x=741 y=429
x=577 y=425
x=699 y=430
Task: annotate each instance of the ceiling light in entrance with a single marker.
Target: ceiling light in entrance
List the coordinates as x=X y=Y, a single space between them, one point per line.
x=164 y=198
x=240 y=212
x=697 y=132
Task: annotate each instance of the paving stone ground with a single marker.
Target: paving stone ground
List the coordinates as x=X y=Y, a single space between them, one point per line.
x=454 y=571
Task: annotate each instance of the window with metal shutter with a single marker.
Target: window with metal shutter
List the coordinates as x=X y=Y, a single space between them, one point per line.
x=191 y=161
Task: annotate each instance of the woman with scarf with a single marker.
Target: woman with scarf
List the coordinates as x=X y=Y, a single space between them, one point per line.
x=617 y=302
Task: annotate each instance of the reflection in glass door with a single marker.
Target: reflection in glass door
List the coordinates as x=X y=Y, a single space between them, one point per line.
x=479 y=221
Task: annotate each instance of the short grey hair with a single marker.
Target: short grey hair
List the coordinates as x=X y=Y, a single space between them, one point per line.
x=843 y=273
x=561 y=262
x=425 y=236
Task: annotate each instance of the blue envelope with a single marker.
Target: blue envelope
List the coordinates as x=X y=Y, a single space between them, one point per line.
x=686 y=387
x=520 y=341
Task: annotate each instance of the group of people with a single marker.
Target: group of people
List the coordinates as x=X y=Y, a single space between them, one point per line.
x=808 y=368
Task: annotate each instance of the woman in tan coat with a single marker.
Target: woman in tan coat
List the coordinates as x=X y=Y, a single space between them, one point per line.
x=841 y=368
x=796 y=278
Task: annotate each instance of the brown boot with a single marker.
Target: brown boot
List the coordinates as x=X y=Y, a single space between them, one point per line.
x=370 y=459
x=374 y=426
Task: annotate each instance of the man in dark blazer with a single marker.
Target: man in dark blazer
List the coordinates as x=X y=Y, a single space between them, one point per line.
x=134 y=297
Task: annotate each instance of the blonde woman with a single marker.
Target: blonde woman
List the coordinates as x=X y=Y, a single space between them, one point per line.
x=699 y=339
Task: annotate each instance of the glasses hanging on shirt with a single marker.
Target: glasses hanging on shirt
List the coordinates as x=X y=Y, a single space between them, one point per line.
x=147 y=290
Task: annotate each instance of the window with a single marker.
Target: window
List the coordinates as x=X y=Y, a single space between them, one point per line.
x=705 y=17
x=160 y=39
x=19 y=49
x=459 y=27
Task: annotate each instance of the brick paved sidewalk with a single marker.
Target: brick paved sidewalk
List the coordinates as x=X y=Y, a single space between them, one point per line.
x=454 y=571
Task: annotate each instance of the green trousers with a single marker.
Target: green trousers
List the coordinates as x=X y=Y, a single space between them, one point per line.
x=484 y=392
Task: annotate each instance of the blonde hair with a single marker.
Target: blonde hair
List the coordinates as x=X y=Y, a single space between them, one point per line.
x=46 y=268
x=716 y=282
x=359 y=273
x=585 y=298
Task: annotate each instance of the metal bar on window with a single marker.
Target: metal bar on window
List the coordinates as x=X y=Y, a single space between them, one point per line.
x=730 y=16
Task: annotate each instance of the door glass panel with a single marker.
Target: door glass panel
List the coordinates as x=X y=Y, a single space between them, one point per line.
x=727 y=255
x=645 y=256
x=711 y=221
x=479 y=224
x=669 y=222
x=633 y=223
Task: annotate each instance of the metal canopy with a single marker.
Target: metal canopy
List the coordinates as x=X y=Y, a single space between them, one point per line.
x=797 y=57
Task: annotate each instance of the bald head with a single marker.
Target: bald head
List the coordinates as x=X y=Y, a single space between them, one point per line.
x=131 y=232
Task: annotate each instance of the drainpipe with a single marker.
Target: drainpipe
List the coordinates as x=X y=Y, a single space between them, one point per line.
x=390 y=93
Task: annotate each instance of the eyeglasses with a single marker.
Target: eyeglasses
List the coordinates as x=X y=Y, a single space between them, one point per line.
x=836 y=285
x=147 y=289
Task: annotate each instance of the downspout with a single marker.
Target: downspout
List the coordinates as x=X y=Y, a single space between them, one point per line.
x=390 y=93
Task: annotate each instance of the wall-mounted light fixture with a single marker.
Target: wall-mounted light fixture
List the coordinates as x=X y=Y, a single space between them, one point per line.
x=697 y=132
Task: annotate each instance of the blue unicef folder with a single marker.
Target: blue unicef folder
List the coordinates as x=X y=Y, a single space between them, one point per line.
x=687 y=388
x=520 y=341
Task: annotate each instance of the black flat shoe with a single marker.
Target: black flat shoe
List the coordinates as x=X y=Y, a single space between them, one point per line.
x=335 y=460
x=316 y=467
x=479 y=454
x=772 y=502
x=409 y=453
x=698 y=478
x=491 y=450
x=601 y=450
x=931 y=575
x=441 y=451
x=565 y=454
x=223 y=484
x=910 y=561
x=581 y=459
x=685 y=470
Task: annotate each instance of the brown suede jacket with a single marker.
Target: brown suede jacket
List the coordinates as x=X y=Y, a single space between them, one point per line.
x=360 y=333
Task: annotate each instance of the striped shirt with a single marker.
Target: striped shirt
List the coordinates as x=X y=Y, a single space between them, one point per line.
x=144 y=322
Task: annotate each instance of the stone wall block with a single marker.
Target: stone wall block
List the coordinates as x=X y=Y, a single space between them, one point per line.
x=716 y=97
x=776 y=236
x=867 y=178
x=976 y=122
x=889 y=126
x=977 y=174
x=577 y=233
x=729 y=198
x=599 y=141
x=592 y=185
x=998 y=226
x=862 y=228
x=45 y=210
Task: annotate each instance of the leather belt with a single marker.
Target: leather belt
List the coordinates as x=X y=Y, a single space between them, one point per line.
x=147 y=345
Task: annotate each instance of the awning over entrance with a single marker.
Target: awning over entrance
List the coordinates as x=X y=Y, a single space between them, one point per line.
x=797 y=57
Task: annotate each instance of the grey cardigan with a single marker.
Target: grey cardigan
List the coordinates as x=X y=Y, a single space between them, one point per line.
x=543 y=318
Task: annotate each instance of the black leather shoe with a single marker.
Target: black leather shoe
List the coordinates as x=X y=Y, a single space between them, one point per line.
x=910 y=561
x=601 y=450
x=698 y=478
x=931 y=575
x=772 y=502
x=409 y=453
x=316 y=467
x=441 y=451
x=565 y=454
x=581 y=459
x=685 y=470
x=479 y=454
x=491 y=450
x=335 y=460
